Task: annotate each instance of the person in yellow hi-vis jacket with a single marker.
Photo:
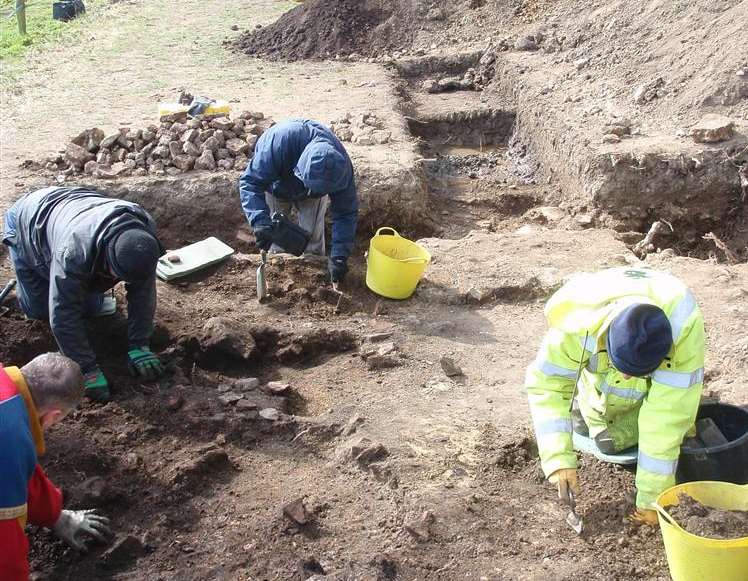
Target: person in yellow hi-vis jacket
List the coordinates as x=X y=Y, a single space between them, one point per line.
x=635 y=339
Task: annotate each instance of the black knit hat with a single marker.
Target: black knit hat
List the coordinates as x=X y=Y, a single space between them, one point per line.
x=133 y=255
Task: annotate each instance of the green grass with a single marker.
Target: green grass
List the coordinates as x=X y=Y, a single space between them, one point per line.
x=41 y=28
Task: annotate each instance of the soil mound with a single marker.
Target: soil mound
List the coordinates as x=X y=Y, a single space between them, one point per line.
x=707 y=521
x=321 y=29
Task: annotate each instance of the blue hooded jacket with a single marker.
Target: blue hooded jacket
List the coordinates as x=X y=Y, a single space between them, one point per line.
x=299 y=159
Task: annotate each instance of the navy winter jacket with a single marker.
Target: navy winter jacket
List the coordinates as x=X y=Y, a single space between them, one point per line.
x=289 y=152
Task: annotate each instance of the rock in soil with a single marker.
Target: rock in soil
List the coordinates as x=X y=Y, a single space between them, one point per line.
x=270 y=414
x=278 y=387
x=713 y=129
x=296 y=511
x=365 y=452
x=420 y=528
x=223 y=337
x=708 y=521
x=123 y=554
x=450 y=368
x=209 y=462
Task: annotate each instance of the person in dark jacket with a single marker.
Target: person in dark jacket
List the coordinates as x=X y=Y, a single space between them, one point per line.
x=301 y=163
x=69 y=246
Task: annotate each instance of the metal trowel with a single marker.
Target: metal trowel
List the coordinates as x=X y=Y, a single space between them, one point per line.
x=4 y=293
x=262 y=284
x=573 y=519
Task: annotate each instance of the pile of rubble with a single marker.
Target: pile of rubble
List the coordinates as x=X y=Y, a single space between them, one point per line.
x=362 y=129
x=178 y=144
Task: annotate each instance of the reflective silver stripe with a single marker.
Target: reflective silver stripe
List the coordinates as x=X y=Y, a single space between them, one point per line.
x=678 y=379
x=680 y=314
x=664 y=467
x=593 y=363
x=554 y=426
x=589 y=343
x=555 y=370
x=624 y=392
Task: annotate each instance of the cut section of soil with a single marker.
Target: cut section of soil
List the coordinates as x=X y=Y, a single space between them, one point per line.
x=321 y=29
x=707 y=521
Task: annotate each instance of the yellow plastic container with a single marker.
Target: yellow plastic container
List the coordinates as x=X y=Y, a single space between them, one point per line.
x=394 y=264
x=695 y=558
x=217 y=108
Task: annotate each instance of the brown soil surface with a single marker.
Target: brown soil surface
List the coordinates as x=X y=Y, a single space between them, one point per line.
x=708 y=521
x=320 y=29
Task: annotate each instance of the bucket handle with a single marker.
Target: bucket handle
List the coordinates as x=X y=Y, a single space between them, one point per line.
x=387 y=228
x=665 y=514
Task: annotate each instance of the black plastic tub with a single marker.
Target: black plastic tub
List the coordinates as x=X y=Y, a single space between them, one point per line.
x=727 y=462
x=66 y=10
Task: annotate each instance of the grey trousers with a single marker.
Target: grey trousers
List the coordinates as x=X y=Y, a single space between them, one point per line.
x=311 y=218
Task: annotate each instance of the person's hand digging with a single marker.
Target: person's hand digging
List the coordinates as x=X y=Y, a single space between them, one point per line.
x=144 y=363
x=565 y=479
x=644 y=516
x=264 y=236
x=78 y=527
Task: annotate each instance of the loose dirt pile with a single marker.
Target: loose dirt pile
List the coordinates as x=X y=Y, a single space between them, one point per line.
x=324 y=29
x=707 y=521
x=178 y=144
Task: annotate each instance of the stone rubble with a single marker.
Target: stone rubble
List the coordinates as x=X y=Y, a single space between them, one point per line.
x=713 y=128
x=362 y=129
x=177 y=144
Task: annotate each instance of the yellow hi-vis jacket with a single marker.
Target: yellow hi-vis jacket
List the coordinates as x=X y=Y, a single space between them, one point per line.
x=654 y=411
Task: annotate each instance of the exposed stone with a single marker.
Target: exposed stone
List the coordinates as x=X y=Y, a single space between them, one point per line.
x=247 y=383
x=477 y=296
x=174 y=402
x=77 y=155
x=365 y=452
x=611 y=138
x=183 y=162
x=123 y=553
x=241 y=162
x=450 y=368
x=230 y=397
x=375 y=362
x=222 y=336
x=223 y=123
x=191 y=149
x=148 y=135
x=713 y=128
x=90 y=167
x=380 y=136
x=237 y=146
x=270 y=414
x=296 y=511
x=90 y=139
x=251 y=142
x=206 y=160
x=648 y=91
x=377 y=337
x=211 y=144
x=109 y=141
x=278 y=387
x=175 y=149
x=525 y=43
x=225 y=164
x=190 y=135
x=161 y=151
x=223 y=153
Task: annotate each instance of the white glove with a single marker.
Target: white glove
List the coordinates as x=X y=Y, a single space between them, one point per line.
x=74 y=526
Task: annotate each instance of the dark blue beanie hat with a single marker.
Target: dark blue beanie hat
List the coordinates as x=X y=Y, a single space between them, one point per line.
x=639 y=339
x=133 y=255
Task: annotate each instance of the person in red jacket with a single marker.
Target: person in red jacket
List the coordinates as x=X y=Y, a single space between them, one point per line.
x=33 y=398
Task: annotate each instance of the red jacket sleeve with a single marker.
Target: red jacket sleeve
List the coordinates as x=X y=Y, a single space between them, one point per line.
x=45 y=500
x=14 y=551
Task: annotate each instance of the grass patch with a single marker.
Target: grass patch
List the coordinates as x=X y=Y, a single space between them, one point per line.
x=41 y=28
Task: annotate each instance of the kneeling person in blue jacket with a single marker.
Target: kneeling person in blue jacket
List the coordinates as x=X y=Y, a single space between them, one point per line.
x=69 y=246
x=302 y=164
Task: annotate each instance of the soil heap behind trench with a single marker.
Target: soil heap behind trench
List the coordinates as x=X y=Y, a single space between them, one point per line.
x=324 y=28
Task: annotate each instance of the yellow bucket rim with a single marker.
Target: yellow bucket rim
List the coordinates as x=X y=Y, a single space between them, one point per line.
x=669 y=520
x=412 y=260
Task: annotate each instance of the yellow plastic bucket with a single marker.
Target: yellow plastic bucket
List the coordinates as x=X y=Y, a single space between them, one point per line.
x=695 y=558
x=394 y=264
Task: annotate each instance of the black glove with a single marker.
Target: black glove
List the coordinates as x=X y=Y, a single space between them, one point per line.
x=338 y=266
x=264 y=236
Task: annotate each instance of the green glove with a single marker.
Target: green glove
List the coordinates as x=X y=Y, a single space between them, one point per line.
x=96 y=386
x=143 y=362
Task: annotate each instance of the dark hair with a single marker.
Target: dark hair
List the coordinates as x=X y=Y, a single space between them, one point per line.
x=54 y=380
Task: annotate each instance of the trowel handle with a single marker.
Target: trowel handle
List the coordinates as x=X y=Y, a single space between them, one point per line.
x=8 y=287
x=264 y=256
